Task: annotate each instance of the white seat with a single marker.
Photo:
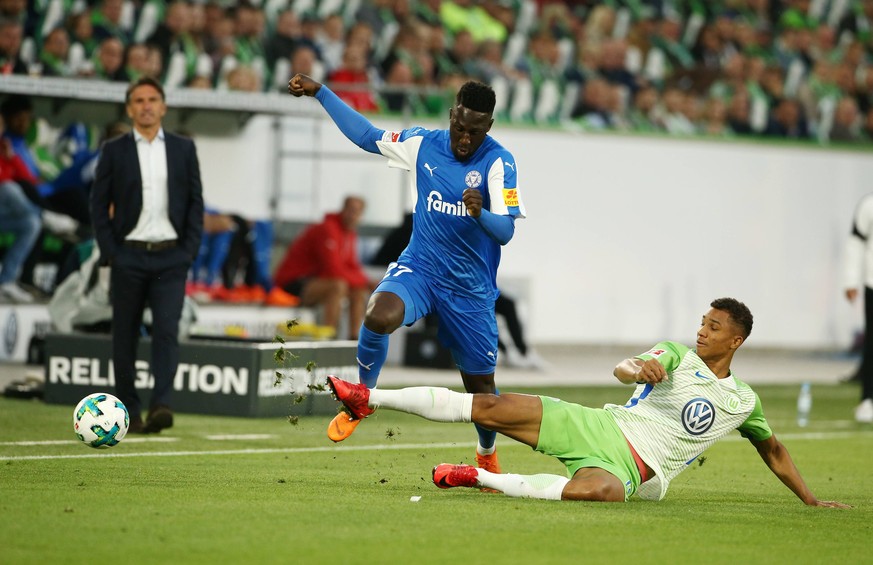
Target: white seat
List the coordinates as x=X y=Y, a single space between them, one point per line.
x=281 y=73
x=515 y=48
x=501 y=88
x=548 y=102
x=568 y=101
x=522 y=100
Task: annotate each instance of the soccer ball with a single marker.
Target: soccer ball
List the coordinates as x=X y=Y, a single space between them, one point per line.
x=100 y=420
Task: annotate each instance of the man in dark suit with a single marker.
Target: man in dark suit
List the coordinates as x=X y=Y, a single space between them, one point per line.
x=147 y=210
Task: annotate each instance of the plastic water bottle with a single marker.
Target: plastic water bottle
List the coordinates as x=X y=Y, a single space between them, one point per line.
x=804 y=405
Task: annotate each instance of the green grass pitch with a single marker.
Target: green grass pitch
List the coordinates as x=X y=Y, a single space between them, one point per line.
x=234 y=490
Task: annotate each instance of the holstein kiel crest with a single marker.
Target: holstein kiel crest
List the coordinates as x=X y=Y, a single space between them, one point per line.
x=698 y=416
x=473 y=179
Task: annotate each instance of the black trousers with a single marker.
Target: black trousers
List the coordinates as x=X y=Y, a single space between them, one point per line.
x=865 y=371
x=156 y=279
x=505 y=307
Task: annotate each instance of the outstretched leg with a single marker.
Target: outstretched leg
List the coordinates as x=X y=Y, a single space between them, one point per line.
x=516 y=416
x=589 y=483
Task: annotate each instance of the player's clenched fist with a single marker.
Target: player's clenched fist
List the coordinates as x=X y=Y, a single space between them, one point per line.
x=473 y=202
x=302 y=85
x=651 y=371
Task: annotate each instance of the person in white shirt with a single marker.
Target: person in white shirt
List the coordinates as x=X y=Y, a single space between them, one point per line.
x=859 y=272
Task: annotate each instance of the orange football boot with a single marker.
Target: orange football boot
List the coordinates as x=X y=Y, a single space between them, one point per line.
x=354 y=397
x=488 y=462
x=341 y=427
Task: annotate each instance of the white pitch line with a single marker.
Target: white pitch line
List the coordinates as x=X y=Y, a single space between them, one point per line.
x=72 y=441
x=231 y=437
x=804 y=436
x=240 y=451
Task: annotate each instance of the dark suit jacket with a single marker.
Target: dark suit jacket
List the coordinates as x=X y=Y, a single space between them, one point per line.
x=118 y=182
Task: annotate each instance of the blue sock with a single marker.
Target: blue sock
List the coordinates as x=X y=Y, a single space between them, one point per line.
x=486 y=437
x=372 y=352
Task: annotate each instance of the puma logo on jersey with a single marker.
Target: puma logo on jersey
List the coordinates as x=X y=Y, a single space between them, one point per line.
x=490 y=354
x=429 y=168
x=510 y=165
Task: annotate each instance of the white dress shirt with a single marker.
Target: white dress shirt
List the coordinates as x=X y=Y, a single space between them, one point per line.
x=154 y=221
x=858 y=269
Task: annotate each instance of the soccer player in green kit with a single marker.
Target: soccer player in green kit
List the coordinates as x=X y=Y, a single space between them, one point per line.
x=685 y=400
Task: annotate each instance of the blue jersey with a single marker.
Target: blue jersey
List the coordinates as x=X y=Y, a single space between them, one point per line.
x=448 y=245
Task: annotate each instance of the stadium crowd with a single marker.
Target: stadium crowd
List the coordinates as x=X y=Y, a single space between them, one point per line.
x=790 y=69
x=797 y=69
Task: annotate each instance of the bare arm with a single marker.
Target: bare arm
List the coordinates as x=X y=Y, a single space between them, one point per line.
x=776 y=456
x=633 y=370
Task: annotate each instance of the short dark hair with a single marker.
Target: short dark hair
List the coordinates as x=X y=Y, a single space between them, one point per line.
x=476 y=96
x=144 y=81
x=14 y=105
x=739 y=312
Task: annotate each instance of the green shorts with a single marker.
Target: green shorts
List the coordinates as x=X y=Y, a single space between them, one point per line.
x=586 y=437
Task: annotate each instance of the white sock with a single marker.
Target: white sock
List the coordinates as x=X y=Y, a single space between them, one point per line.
x=485 y=450
x=434 y=403
x=542 y=486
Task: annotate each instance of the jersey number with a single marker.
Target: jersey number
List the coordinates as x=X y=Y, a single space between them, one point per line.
x=398 y=270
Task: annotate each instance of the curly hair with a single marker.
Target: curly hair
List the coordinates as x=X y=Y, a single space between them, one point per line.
x=739 y=312
x=476 y=96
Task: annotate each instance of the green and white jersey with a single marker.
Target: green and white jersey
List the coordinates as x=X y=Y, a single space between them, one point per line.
x=671 y=423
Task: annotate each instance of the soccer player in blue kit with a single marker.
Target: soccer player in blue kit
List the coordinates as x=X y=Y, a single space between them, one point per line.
x=465 y=205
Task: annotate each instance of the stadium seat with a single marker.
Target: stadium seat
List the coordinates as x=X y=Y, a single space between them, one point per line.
x=548 y=102
x=522 y=101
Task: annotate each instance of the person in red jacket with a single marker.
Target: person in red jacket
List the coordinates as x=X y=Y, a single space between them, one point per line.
x=351 y=81
x=322 y=267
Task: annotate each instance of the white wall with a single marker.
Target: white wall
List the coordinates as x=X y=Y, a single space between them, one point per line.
x=628 y=238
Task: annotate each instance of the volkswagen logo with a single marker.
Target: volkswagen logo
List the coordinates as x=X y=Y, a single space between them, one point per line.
x=698 y=416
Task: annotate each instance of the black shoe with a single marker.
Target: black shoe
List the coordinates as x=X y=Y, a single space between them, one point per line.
x=160 y=418
x=136 y=426
x=24 y=389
